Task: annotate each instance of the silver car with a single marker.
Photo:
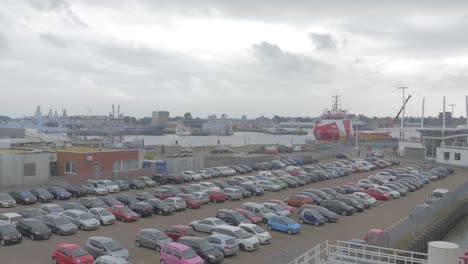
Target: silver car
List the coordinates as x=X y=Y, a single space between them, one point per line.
x=207 y=225
x=268 y=185
x=227 y=244
x=100 y=246
x=102 y=215
x=277 y=209
x=151 y=238
x=51 y=209
x=203 y=196
x=233 y=194
x=95 y=189
x=59 y=225
x=83 y=220
x=177 y=203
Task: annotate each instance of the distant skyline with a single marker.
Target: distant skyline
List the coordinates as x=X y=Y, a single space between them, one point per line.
x=238 y=57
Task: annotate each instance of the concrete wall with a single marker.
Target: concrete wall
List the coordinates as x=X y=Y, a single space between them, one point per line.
x=186 y=163
x=12 y=169
x=463 y=156
x=163 y=149
x=12 y=132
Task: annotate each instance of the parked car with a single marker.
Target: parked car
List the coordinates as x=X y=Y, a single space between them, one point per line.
x=71 y=254
x=77 y=206
x=76 y=191
x=216 y=196
x=263 y=236
x=175 y=179
x=203 y=248
x=366 y=197
x=147 y=181
x=10 y=218
x=311 y=216
x=351 y=202
x=127 y=198
x=174 y=190
x=256 y=191
x=226 y=244
x=110 y=260
x=123 y=185
x=104 y=216
x=109 y=185
x=179 y=254
x=258 y=210
x=9 y=235
x=91 y=202
x=177 y=231
x=338 y=207
x=282 y=204
x=136 y=184
x=59 y=224
x=283 y=223
x=373 y=234
x=378 y=194
x=160 y=207
x=142 y=209
x=191 y=176
x=329 y=216
x=6 y=201
x=123 y=213
x=110 y=200
x=232 y=194
x=206 y=225
x=33 y=228
x=190 y=201
x=30 y=213
x=84 y=221
x=151 y=238
x=99 y=246
x=23 y=197
x=250 y=216
x=231 y=217
x=277 y=209
x=42 y=195
x=51 y=209
x=177 y=203
x=268 y=185
x=95 y=189
x=298 y=200
x=161 y=194
x=59 y=193
x=245 y=240
x=202 y=196
x=187 y=189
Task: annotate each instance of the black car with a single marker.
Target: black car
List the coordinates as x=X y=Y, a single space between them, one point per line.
x=254 y=190
x=127 y=199
x=33 y=228
x=339 y=189
x=245 y=193
x=319 y=193
x=91 y=202
x=136 y=184
x=142 y=209
x=349 y=189
x=74 y=206
x=144 y=196
x=232 y=217
x=203 y=248
x=159 y=179
x=30 y=213
x=330 y=216
x=221 y=184
x=338 y=207
x=174 y=190
x=342 y=156
x=233 y=182
x=59 y=193
x=351 y=202
x=247 y=168
x=160 y=207
x=238 y=169
x=174 y=179
x=77 y=191
x=23 y=197
x=42 y=195
x=110 y=201
x=59 y=224
x=9 y=235
x=122 y=184
x=330 y=192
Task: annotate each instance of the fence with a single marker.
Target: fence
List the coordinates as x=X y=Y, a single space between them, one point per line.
x=420 y=217
x=79 y=179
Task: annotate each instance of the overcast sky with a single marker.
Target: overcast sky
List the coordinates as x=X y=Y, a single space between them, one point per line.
x=240 y=57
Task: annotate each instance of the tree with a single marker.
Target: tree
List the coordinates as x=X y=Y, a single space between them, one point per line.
x=188 y=116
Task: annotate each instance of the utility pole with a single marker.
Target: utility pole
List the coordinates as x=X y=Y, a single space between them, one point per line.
x=402 y=136
x=451 y=119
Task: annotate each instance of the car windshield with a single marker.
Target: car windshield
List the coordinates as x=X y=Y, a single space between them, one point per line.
x=56 y=209
x=258 y=229
x=219 y=222
x=16 y=218
x=37 y=224
x=85 y=216
x=113 y=246
x=78 y=252
x=25 y=193
x=230 y=241
x=104 y=212
x=98 y=202
x=242 y=234
x=8 y=229
x=264 y=210
x=159 y=235
x=5 y=197
x=189 y=254
x=61 y=221
x=125 y=210
x=288 y=221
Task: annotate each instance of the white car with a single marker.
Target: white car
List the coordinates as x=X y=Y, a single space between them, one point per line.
x=198 y=187
x=266 y=174
x=366 y=197
x=210 y=186
x=110 y=185
x=95 y=189
x=51 y=209
x=244 y=239
x=268 y=185
x=366 y=184
x=257 y=231
x=10 y=218
x=107 y=259
x=394 y=194
x=6 y=200
x=104 y=216
x=207 y=225
x=192 y=175
x=243 y=180
x=205 y=174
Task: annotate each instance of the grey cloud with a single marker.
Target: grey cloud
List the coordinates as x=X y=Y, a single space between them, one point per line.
x=57 y=6
x=323 y=41
x=53 y=39
x=3 y=42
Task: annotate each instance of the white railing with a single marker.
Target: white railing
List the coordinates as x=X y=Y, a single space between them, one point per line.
x=346 y=252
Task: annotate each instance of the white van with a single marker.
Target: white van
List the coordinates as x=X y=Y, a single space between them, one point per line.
x=259 y=210
x=244 y=239
x=439 y=193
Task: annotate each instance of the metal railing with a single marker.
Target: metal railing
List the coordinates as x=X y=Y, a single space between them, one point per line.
x=347 y=252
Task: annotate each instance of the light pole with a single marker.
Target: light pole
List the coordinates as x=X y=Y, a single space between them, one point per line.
x=403 y=114
x=451 y=119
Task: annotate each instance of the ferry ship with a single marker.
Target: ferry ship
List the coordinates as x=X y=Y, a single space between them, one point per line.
x=334 y=124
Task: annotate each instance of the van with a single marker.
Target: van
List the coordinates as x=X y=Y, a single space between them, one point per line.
x=439 y=193
x=244 y=239
x=176 y=253
x=232 y=217
x=259 y=210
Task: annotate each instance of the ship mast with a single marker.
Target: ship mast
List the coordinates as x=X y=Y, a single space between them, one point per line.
x=336 y=103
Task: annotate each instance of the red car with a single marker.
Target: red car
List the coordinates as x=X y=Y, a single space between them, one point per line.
x=283 y=204
x=178 y=231
x=249 y=215
x=356 y=186
x=71 y=254
x=373 y=234
x=216 y=196
x=161 y=193
x=378 y=194
x=122 y=212
x=190 y=200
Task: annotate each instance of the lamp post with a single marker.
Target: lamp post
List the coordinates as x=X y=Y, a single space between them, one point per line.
x=451 y=119
x=403 y=114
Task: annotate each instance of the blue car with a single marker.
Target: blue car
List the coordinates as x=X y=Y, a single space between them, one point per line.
x=59 y=193
x=311 y=216
x=423 y=178
x=283 y=223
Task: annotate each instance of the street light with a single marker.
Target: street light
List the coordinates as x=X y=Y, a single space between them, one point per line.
x=451 y=119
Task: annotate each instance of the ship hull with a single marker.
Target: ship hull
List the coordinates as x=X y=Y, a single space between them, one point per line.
x=333 y=130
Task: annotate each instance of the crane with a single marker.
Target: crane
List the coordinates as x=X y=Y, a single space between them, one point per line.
x=399 y=112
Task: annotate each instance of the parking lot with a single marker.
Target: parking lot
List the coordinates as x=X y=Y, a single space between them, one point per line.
x=282 y=248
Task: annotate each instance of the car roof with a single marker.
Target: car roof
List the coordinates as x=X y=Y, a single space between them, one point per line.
x=247 y=225
x=101 y=238
x=181 y=227
x=230 y=228
x=177 y=245
x=75 y=211
x=152 y=230
x=50 y=205
x=11 y=215
x=113 y=259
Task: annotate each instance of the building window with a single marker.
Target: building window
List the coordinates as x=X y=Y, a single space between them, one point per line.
x=446 y=155
x=117 y=166
x=70 y=167
x=457 y=156
x=125 y=165
x=29 y=169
